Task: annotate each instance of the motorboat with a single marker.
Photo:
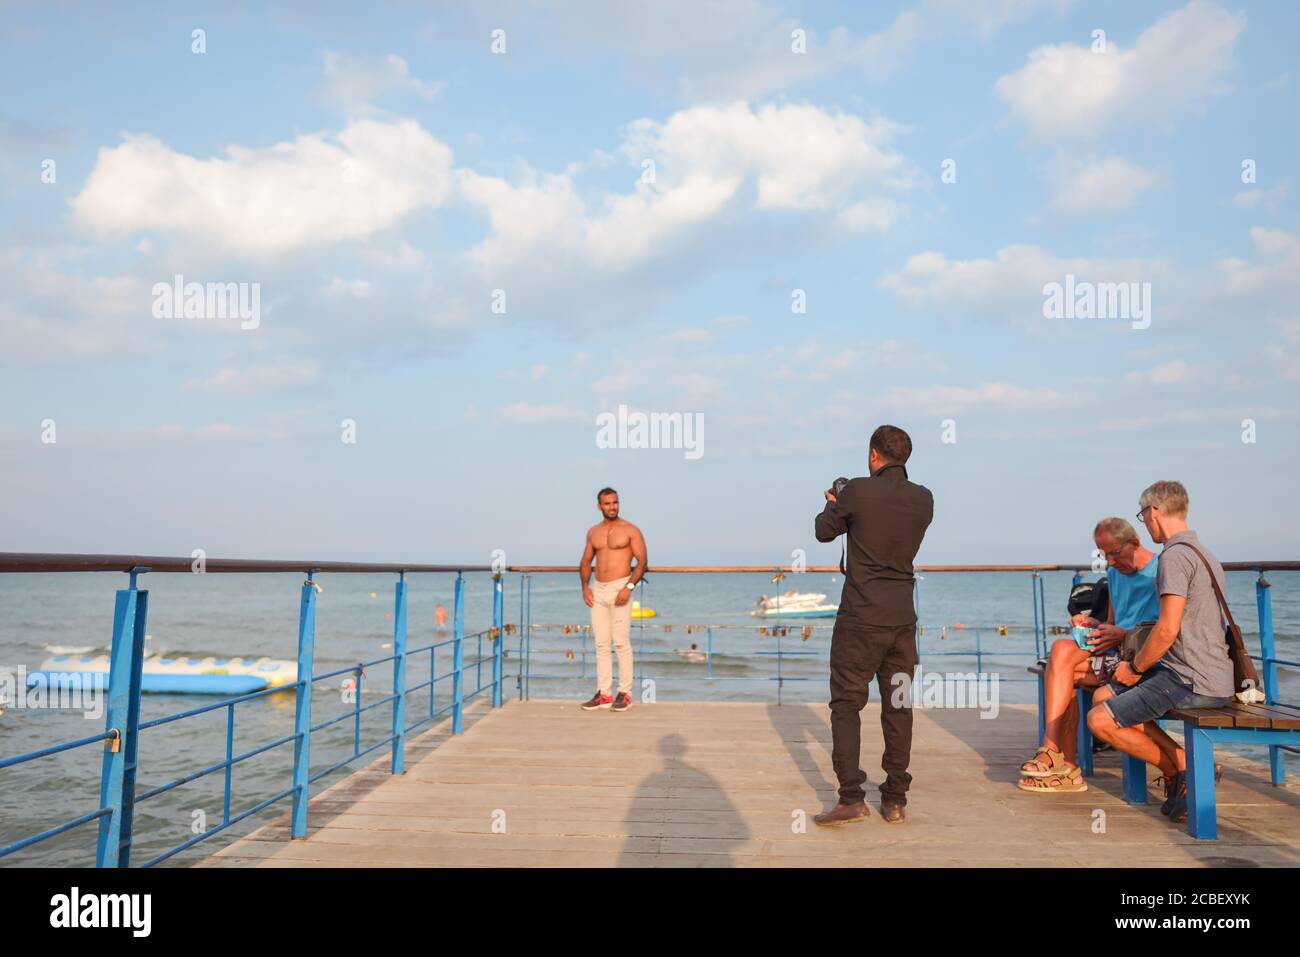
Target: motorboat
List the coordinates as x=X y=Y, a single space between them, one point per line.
x=795 y=604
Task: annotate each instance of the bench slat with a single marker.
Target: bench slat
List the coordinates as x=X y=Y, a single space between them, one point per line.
x=1237 y=715
x=1244 y=716
x=1204 y=717
x=1281 y=717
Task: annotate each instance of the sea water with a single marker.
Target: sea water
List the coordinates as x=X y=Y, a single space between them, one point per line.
x=236 y=615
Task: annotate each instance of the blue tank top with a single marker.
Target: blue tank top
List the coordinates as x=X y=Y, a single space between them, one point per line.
x=1134 y=596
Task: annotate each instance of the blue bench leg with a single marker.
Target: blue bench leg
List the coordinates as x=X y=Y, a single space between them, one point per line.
x=1201 y=818
x=1084 y=737
x=1276 y=765
x=1042 y=710
x=1135 y=780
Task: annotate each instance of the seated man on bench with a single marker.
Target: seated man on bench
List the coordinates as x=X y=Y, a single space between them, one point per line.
x=1131 y=579
x=1183 y=663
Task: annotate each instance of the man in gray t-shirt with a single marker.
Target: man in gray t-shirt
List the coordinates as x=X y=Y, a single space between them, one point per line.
x=1199 y=655
x=1184 y=661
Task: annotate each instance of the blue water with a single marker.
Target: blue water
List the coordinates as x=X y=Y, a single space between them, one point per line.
x=257 y=615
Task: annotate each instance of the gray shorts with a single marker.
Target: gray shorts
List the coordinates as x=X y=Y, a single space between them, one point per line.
x=1159 y=692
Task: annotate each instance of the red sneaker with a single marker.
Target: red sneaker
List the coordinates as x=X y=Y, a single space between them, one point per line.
x=598 y=702
x=622 y=701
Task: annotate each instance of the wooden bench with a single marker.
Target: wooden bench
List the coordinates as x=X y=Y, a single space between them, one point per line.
x=1274 y=725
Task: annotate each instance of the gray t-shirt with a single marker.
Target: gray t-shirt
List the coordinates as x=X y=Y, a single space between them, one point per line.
x=1199 y=655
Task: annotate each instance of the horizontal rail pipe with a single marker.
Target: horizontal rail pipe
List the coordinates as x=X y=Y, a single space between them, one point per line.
x=11 y=562
x=46 y=562
x=834 y=569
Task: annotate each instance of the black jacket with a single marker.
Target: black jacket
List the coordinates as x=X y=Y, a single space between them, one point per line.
x=885 y=517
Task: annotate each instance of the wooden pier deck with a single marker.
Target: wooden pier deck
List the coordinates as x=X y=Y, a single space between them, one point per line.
x=542 y=783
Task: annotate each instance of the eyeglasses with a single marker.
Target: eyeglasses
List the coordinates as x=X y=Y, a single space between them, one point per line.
x=1141 y=515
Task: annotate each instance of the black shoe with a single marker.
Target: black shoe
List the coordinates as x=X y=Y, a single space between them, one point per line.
x=598 y=702
x=622 y=701
x=843 y=814
x=1175 y=789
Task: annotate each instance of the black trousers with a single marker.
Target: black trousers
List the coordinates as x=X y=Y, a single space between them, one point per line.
x=859 y=653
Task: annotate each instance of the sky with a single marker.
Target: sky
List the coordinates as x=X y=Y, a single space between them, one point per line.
x=465 y=232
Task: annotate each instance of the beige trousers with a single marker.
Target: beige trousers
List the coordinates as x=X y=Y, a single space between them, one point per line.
x=611 y=624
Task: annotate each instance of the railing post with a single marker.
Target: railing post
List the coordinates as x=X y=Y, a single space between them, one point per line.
x=1267 y=648
x=302 y=707
x=519 y=665
x=1042 y=610
x=117 y=775
x=1033 y=591
x=1268 y=651
x=458 y=657
x=399 y=675
x=916 y=609
x=528 y=645
x=498 y=634
x=780 y=673
x=230 y=767
x=356 y=710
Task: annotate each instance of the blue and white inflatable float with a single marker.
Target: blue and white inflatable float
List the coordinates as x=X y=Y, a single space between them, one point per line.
x=220 y=676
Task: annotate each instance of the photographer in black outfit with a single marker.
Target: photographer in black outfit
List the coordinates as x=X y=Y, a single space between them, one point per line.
x=885 y=517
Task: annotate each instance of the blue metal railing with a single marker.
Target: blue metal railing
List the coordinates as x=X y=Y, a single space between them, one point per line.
x=776 y=628
x=1042 y=634
x=118 y=794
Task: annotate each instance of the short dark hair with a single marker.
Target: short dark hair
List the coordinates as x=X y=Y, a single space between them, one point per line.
x=603 y=492
x=892 y=443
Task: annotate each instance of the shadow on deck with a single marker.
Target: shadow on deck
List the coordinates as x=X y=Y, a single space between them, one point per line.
x=542 y=783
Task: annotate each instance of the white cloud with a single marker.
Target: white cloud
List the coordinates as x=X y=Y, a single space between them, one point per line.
x=721 y=51
x=257 y=380
x=1284 y=357
x=50 y=313
x=1070 y=91
x=402 y=256
x=1012 y=279
x=811 y=365
x=897 y=354
x=876 y=214
x=1100 y=186
x=798 y=158
x=258 y=202
x=526 y=413
x=357 y=80
x=1256 y=198
x=1000 y=396
x=339 y=288
x=1166 y=373
x=1279 y=271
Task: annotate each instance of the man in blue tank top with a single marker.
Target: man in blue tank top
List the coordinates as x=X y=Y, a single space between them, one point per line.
x=1131 y=580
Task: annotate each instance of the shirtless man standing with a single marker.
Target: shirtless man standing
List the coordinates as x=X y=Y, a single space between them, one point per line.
x=613 y=543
